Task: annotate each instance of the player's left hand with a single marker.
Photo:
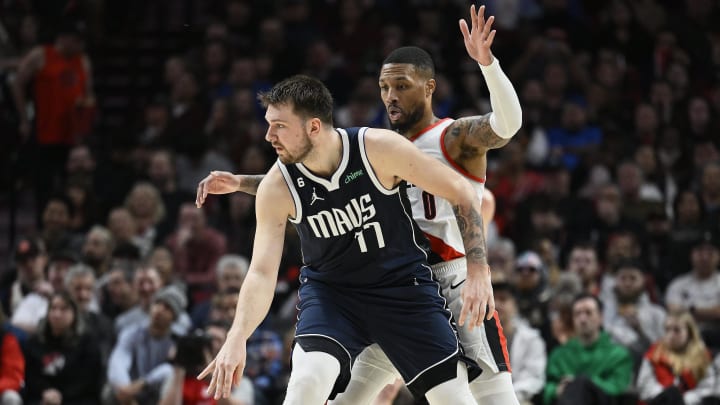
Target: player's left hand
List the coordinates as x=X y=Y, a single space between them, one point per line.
x=479 y=38
x=477 y=296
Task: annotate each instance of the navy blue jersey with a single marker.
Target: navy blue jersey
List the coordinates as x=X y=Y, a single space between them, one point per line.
x=353 y=231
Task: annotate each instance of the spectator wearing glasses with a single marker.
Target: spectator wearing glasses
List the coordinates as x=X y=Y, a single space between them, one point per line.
x=529 y=280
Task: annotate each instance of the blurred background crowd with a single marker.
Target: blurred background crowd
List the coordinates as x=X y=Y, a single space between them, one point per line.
x=115 y=288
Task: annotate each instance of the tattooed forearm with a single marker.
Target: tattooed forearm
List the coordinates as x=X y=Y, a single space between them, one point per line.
x=476 y=135
x=470 y=224
x=249 y=183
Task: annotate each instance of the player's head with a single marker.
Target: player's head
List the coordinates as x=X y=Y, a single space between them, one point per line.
x=297 y=107
x=406 y=86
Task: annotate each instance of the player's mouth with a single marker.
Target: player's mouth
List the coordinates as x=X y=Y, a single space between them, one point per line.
x=394 y=113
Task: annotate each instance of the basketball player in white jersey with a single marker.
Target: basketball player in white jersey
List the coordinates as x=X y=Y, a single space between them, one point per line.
x=406 y=86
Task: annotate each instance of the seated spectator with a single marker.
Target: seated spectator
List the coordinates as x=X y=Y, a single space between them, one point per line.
x=501 y=256
x=630 y=318
x=97 y=249
x=162 y=260
x=583 y=261
x=12 y=365
x=529 y=281
x=589 y=369
x=677 y=369
x=231 y=271
x=147 y=282
x=30 y=260
x=138 y=364
x=146 y=206
x=562 y=295
x=80 y=284
x=699 y=290
x=264 y=364
x=527 y=348
x=197 y=248
x=118 y=294
x=193 y=353
x=34 y=306
x=55 y=230
x=62 y=360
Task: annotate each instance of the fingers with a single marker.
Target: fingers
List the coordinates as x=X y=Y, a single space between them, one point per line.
x=228 y=383
x=219 y=378
x=207 y=370
x=198 y=197
x=213 y=384
x=480 y=315
x=481 y=17
x=473 y=18
x=464 y=29
x=491 y=308
x=488 y=27
x=490 y=38
x=463 y=313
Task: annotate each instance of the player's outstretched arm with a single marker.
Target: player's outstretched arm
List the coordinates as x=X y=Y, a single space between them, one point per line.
x=273 y=208
x=219 y=182
x=495 y=129
x=395 y=158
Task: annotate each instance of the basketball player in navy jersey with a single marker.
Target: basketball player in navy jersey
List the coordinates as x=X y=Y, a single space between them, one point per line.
x=365 y=279
x=407 y=83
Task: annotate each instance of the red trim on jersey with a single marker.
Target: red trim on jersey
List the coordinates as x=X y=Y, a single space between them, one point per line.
x=439 y=247
x=426 y=129
x=503 y=341
x=452 y=162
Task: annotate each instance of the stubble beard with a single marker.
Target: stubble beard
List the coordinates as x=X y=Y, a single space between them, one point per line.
x=300 y=157
x=403 y=126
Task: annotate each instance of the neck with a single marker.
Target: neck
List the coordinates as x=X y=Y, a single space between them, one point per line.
x=587 y=340
x=61 y=49
x=428 y=119
x=703 y=275
x=327 y=152
x=157 y=331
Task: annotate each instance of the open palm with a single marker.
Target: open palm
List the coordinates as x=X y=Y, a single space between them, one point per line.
x=479 y=37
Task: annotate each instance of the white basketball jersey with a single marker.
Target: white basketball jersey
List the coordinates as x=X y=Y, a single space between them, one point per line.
x=434 y=215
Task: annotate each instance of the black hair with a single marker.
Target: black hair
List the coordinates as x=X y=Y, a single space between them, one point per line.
x=586 y=295
x=308 y=97
x=414 y=56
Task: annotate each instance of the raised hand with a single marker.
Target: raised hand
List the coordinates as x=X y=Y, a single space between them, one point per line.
x=216 y=182
x=479 y=38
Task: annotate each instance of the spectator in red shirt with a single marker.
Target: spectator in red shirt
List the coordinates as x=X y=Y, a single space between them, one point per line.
x=12 y=366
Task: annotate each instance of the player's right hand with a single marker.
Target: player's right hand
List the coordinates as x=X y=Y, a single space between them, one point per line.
x=216 y=182
x=226 y=369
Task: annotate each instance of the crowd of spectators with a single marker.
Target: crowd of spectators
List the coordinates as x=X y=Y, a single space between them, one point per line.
x=605 y=247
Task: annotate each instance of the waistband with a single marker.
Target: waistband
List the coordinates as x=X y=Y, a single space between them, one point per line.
x=450 y=266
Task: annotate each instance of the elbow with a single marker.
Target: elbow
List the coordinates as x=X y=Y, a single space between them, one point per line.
x=507 y=125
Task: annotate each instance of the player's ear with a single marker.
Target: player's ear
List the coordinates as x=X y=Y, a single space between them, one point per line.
x=314 y=126
x=430 y=87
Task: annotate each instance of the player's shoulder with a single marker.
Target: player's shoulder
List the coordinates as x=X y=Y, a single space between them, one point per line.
x=273 y=191
x=380 y=136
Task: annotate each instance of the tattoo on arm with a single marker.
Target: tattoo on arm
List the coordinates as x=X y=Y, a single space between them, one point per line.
x=476 y=135
x=251 y=183
x=470 y=223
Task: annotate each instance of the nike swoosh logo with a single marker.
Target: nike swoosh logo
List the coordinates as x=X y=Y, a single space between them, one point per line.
x=452 y=287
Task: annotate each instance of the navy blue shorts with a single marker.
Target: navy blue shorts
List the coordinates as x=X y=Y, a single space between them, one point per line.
x=409 y=322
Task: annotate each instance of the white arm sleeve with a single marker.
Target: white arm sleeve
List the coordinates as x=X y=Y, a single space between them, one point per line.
x=506 y=117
